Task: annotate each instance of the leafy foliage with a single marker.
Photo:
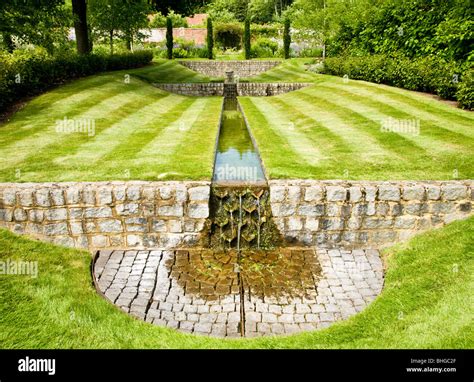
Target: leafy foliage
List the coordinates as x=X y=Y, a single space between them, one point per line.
x=228 y=35
x=426 y=74
x=159 y=20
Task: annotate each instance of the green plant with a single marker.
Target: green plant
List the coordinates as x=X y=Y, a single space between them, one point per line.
x=210 y=39
x=159 y=20
x=247 y=44
x=286 y=38
x=263 y=48
x=465 y=93
x=228 y=35
x=169 y=37
x=427 y=74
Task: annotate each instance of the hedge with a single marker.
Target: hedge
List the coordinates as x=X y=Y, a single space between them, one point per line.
x=27 y=73
x=428 y=74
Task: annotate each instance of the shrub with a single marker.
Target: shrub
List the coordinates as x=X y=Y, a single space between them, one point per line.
x=465 y=93
x=265 y=30
x=311 y=52
x=228 y=35
x=264 y=48
x=27 y=73
x=427 y=74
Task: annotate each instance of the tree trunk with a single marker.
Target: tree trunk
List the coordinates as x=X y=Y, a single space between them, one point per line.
x=8 y=42
x=79 y=11
x=111 y=41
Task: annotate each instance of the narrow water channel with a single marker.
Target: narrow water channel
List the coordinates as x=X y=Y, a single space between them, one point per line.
x=237 y=160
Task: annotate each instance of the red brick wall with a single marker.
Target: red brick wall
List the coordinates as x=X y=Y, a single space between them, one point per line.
x=198 y=35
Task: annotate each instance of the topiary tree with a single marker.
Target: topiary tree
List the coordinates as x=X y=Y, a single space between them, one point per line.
x=287 y=38
x=210 y=39
x=169 y=37
x=247 y=45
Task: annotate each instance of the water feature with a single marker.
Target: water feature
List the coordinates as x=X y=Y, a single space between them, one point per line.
x=237 y=159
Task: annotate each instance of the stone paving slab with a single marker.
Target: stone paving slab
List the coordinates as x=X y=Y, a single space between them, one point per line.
x=225 y=294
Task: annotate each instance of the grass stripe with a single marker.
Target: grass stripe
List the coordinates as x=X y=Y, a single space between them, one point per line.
x=331 y=143
x=164 y=112
x=279 y=158
x=135 y=115
x=32 y=122
x=167 y=140
x=19 y=151
x=364 y=144
x=371 y=119
x=297 y=139
x=464 y=128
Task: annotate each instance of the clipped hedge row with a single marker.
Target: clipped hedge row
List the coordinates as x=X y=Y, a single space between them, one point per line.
x=28 y=73
x=427 y=74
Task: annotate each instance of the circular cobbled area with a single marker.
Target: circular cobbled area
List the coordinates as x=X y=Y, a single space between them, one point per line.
x=227 y=294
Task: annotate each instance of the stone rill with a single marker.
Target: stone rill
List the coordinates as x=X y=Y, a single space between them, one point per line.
x=227 y=294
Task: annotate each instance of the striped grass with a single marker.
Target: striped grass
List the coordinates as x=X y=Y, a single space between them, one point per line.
x=130 y=118
x=343 y=122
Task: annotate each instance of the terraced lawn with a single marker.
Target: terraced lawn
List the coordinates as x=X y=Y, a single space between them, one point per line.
x=333 y=130
x=140 y=132
x=165 y=71
x=426 y=303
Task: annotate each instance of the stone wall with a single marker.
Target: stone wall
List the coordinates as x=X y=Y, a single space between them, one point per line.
x=194 y=90
x=365 y=214
x=243 y=89
x=120 y=215
x=241 y=68
x=107 y=215
x=268 y=89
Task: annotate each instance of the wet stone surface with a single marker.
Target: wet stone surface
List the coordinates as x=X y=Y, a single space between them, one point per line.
x=226 y=295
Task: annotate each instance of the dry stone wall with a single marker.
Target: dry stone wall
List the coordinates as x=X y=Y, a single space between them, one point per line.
x=107 y=215
x=241 y=68
x=365 y=214
x=243 y=89
x=141 y=215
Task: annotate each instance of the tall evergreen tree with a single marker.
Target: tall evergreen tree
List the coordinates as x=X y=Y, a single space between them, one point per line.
x=210 y=39
x=287 y=38
x=169 y=37
x=247 y=44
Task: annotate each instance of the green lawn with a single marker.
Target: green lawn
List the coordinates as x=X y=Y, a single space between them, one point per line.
x=141 y=133
x=333 y=130
x=330 y=130
x=165 y=71
x=427 y=302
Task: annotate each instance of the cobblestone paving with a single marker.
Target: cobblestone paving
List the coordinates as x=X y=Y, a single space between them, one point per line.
x=254 y=294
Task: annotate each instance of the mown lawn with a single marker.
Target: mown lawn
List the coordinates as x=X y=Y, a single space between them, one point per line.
x=333 y=130
x=165 y=71
x=427 y=302
x=140 y=133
